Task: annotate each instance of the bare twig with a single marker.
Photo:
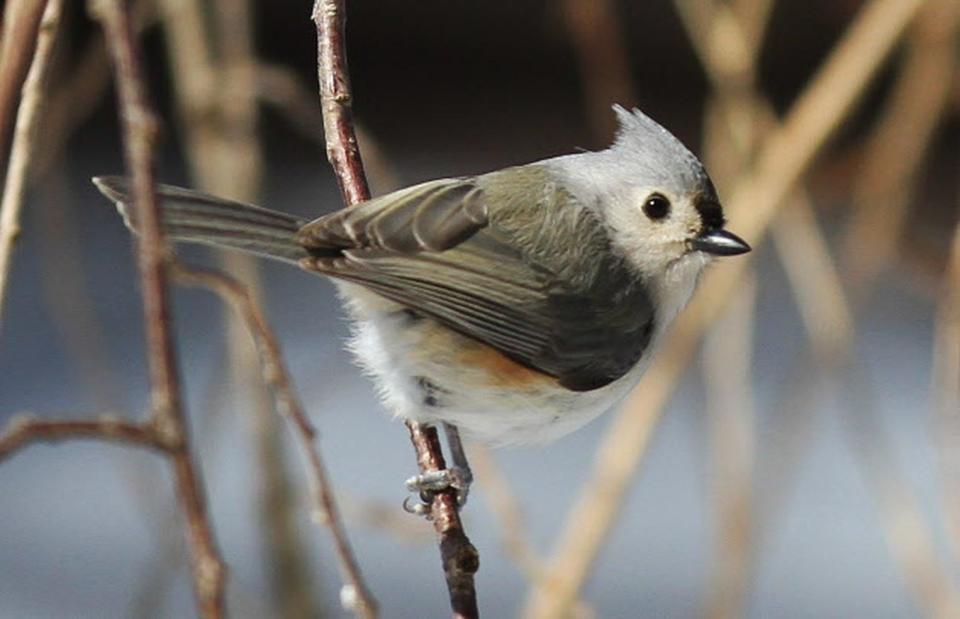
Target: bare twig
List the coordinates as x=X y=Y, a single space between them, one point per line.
x=21 y=20
x=282 y=89
x=212 y=53
x=514 y=534
x=785 y=155
x=24 y=430
x=287 y=405
x=139 y=130
x=24 y=139
x=336 y=100
x=460 y=558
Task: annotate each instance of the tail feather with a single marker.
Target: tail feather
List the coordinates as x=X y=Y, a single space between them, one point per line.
x=196 y=217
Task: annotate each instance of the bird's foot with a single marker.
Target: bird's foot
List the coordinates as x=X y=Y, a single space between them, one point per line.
x=429 y=484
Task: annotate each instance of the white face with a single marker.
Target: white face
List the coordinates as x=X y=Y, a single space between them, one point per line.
x=655 y=227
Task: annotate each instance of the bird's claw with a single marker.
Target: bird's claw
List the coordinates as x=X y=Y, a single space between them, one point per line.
x=429 y=483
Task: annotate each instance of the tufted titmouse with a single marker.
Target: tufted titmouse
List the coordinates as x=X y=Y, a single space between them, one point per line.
x=515 y=305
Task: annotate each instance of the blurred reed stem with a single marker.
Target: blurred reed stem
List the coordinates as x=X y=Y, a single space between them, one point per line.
x=32 y=100
x=785 y=155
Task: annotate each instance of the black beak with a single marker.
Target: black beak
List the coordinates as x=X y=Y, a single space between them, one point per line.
x=719 y=242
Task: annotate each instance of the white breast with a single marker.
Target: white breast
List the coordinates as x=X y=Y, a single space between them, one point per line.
x=401 y=352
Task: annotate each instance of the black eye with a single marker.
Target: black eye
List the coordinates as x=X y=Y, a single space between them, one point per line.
x=656 y=207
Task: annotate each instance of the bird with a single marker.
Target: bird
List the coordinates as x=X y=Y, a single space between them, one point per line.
x=513 y=306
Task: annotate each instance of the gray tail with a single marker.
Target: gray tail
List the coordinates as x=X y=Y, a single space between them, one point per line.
x=196 y=217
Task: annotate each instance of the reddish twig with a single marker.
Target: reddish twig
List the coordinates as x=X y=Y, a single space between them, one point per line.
x=460 y=558
x=24 y=431
x=288 y=406
x=336 y=100
x=139 y=131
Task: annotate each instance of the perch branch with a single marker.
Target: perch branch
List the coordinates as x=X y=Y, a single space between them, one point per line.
x=460 y=558
x=336 y=100
x=288 y=406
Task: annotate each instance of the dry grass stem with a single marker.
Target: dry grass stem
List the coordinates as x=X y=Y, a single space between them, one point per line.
x=459 y=557
x=733 y=133
x=508 y=511
x=946 y=392
x=728 y=358
x=783 y=158
x=906 y=530
x=897 y=150
x=828 y=316
x=594 y=27
x=824 y=307
x=753 y=17
x=25 y=131
x=288 y=406
x=82 y=84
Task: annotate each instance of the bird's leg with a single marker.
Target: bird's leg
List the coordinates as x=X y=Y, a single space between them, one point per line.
x=463 y=476
x=457 y=476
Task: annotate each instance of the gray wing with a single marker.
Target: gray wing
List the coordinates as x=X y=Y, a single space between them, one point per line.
x=432 y=216
x=504 y=278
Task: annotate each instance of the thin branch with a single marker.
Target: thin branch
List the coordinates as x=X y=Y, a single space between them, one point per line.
x=21 y=21
x=460 y=558
x=24 y=139
x=211 y=49
x=784 y=157
x=139 y=130
x=23 y=431
x=288 y=406
x=336 y=100
x=282 y=89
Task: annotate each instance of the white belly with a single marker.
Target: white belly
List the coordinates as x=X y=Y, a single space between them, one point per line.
x=401 y=352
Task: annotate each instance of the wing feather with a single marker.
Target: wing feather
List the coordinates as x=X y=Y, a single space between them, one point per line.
x=503 y=276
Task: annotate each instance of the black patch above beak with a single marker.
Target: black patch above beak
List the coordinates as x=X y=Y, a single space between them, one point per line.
x=719 y=242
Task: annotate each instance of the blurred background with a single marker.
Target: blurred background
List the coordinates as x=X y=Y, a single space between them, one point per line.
x=791 y=454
